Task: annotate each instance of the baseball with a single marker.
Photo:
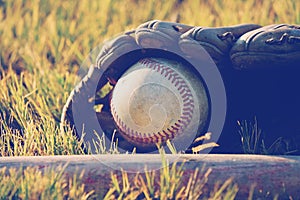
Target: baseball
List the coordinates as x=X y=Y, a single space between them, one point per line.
x=157 y=100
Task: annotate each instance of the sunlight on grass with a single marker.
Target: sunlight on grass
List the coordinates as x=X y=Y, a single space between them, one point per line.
x=167 y=183
x=33 y=183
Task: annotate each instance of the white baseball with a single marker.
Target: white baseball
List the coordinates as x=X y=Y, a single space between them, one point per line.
x=158 y=99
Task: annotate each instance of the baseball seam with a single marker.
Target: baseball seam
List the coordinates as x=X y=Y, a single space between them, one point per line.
x=177 y=127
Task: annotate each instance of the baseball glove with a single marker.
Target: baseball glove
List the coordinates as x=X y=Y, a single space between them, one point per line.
x=151 y=39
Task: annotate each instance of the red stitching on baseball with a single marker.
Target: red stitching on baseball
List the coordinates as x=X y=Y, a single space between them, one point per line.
x=177 y=127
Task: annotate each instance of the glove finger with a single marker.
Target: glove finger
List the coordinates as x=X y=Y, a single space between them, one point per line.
x=216 y=41
x=79 y=107
x=278 y=44
x=159 y=34
x=110 y=52
x=157 y=24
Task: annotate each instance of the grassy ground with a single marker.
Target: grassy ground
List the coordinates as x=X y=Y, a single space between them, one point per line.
x=43 y=43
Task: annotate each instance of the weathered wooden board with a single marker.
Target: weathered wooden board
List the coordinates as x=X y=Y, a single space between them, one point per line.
x=272 y=174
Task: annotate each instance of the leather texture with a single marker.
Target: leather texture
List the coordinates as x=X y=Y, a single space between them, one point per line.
x=278 y=44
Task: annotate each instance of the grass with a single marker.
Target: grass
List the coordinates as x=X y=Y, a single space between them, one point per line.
x=252 y=139
x=167 y=183
x=52 y=184
x=43 y=43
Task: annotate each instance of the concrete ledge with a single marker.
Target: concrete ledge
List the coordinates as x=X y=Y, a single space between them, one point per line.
x=270 y=173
